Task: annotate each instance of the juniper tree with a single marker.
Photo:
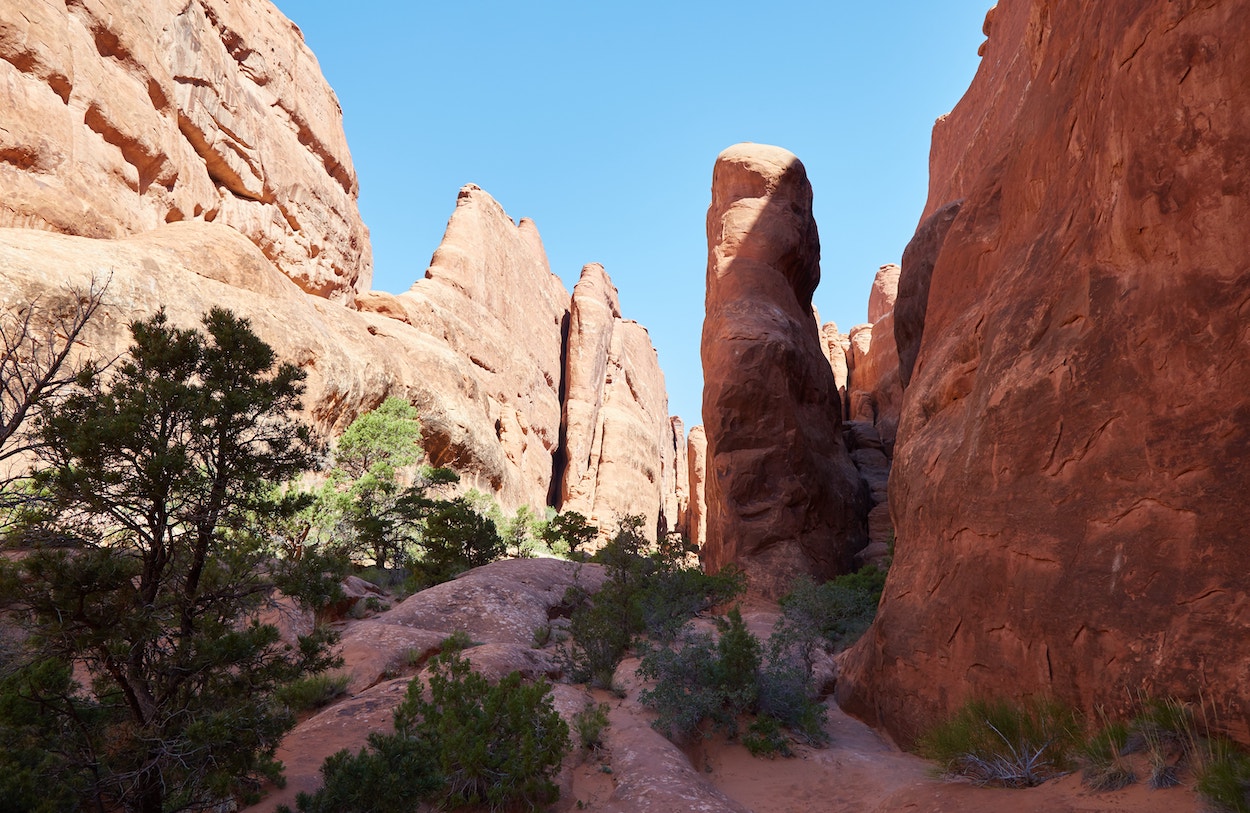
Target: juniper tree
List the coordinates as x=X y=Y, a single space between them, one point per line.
x=151 y=573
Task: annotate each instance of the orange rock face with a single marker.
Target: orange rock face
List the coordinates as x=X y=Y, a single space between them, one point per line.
x=116 y=122
x=783 y=497
x=1069 y=481
x=620 y=451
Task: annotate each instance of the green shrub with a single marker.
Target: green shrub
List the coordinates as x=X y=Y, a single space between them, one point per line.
x=644 y=593
x=387 y=777
x=471 y=743
x=836 y=612
x=498 y=745
x=312 y=692
x=589 y=723
x=997 y=742
x=1223 y=776
x=765 y=738
x=703 y=680
x=1103 y=756
x=784 y=695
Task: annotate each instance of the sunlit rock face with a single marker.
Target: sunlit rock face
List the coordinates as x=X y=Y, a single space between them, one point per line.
x=1069 y=480
x=194 y=155
x=117 y=122
x=621 y=453
x=783 y=497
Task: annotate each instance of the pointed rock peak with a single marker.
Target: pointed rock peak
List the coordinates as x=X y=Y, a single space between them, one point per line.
x=596 y=285
x=884 y=292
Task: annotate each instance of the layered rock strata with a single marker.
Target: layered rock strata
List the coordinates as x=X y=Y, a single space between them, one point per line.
x=1068 y=483
x=118 y=122
x=783 y=497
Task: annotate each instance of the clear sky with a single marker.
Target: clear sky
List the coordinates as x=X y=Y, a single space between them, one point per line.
x=600 y=122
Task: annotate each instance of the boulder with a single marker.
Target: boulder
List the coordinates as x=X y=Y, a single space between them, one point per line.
x=1068 y=485
x=783 y=497
x=210 y=111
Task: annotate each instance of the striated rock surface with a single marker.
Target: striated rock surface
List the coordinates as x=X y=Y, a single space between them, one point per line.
x=696 y=460
x=783 y=497
x=1069 y=484
x=836 y=346
x=117 y=122
x=490 y=300
x=677 y=479
x=620 y=450
x=913 y=286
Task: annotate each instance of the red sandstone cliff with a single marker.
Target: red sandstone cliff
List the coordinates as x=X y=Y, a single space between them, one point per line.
x=1068 y=484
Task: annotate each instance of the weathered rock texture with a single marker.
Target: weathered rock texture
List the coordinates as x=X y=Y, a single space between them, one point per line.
x=836 y=347
x=620 y=450
x=118 y=120
x=696 y=460
x=874 y=392
x=913 y=286
x=1069 y=484
x=783 y=497
x=496 y=312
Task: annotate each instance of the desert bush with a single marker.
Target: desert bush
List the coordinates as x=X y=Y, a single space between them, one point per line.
x=997 y=742
x=703 y=680
x=1103 y=756
x=471 y=743
x=1222 y=776
x=589 y=723
x=646 y=591
x=312 y=692
x=765 y=738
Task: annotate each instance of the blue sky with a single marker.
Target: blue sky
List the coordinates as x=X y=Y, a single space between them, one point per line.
x=601 y=121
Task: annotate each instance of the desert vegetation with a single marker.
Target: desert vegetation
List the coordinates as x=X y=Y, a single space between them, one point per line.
x=1022 y=744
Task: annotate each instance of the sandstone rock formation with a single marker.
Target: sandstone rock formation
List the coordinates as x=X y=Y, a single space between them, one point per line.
x=874 y=392
x=496 y=311
x=783 y=497
x=913 y=286
x=620 y=450
x=1068 y=485
x=836 y=347
x=676 y=479
x=883 y=293
x=117 y=122
x=696 y=460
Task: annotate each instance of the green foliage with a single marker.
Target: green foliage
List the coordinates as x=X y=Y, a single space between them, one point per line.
x=458 y=641
x=312 y=692
x=380 y=441
x=567 y=534
x=997 y=742
x=456 y=538
x=470 y=743
x=590 y=723
x=765 y=738
x=644 y=592
x=1223 y=776
x=389 y=776
x=1103 y=756
x=519 y=533
x=836 y=612
x=704 y=681
x=159 y=478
